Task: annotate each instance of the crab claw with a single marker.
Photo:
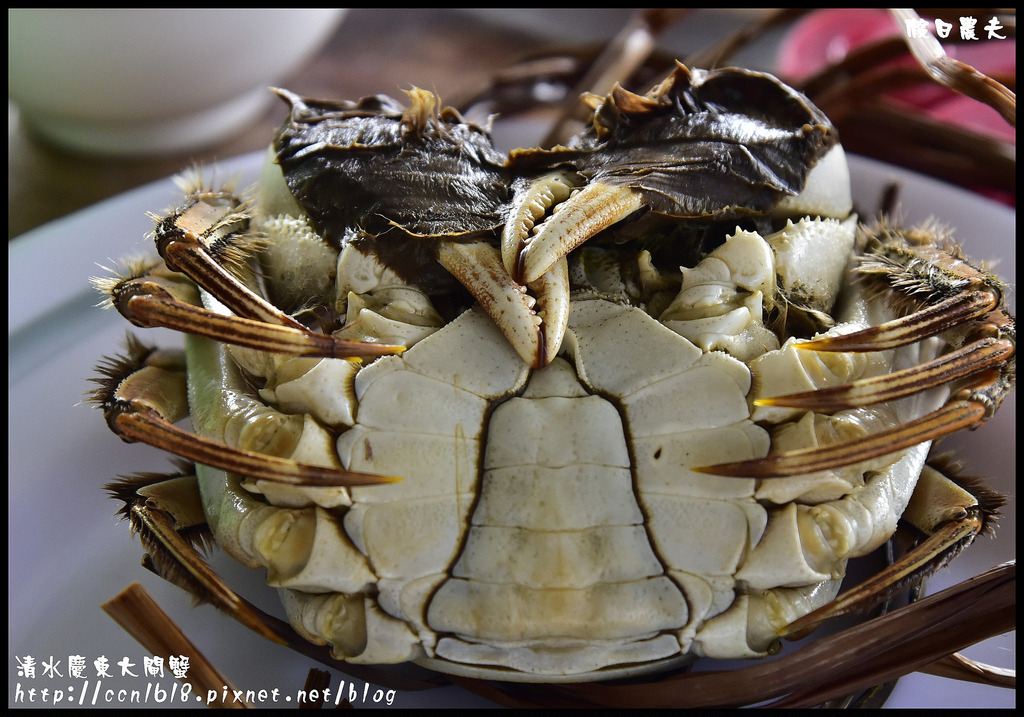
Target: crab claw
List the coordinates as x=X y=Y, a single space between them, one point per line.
x=533 y=324
x=528 y=255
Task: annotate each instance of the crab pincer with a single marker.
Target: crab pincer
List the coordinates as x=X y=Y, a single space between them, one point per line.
x=691 y=148
x=426 y=192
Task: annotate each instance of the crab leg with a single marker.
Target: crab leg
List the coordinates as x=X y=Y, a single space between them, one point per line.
x=909 y=264
x=158 y=512
x=948 y=514
x=163 y=510
x=534 y=326
x=161 y=299
x=965 y=361
x=968 y=408
x=929 y=321
x=187 y=240
x=143 y=395
x=593 y=208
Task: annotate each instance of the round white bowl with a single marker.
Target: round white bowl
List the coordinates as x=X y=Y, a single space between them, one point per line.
x=134 y=82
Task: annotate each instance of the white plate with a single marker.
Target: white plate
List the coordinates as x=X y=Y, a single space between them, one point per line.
x=68 y=553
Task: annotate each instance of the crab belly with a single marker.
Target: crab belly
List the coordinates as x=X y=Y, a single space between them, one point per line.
x=588 y=546
x=549 y=524
x=557 y=572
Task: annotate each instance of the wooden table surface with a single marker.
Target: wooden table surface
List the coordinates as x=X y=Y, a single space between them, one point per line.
x=373 y=51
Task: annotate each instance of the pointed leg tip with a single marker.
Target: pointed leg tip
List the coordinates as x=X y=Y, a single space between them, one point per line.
x=799 y=628
x=742 y=469
x=831 y=344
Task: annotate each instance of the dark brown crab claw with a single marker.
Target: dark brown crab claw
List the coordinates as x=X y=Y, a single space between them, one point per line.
x=692 y=148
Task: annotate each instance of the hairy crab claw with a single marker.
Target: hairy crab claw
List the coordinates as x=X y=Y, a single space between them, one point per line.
x=419 y=187
x=691 y=148
x=166 y=512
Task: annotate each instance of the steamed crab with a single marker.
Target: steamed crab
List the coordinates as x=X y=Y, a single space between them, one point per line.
x=572 y=415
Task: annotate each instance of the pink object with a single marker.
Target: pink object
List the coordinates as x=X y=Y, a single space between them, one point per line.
x=827 y=36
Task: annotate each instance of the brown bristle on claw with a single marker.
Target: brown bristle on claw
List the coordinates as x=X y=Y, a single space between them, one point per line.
x=228 y=241
x=163 y=562
x=923 y=263
x=142 y=489
x=108 y=285
x=172 y=558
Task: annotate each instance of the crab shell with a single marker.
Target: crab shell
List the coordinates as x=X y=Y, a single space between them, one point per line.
x=343 y=161
x=549 y=524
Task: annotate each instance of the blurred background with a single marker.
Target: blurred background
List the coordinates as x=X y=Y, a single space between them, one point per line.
x=366 y=52
x=88 y=65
